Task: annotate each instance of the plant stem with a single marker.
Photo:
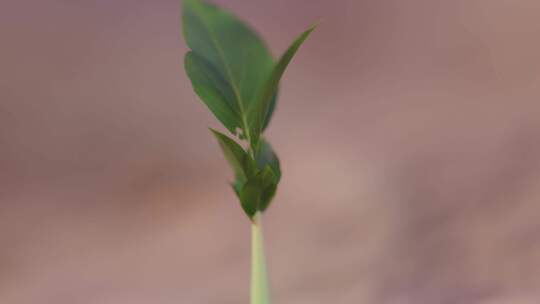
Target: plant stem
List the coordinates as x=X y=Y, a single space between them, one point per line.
x=259 y=281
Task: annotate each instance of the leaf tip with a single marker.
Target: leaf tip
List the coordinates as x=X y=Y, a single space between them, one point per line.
x=314 y=26
x=310 y=30
x=215 y=132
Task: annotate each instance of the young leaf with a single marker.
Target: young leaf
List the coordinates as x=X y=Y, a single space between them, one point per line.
x=265 y=100
x=257 y=193
x=267 y=157
x=255 y=183
x=213 y=90
x=241 y=162
x=250 y=195
x=231 y=47
x=268 y=187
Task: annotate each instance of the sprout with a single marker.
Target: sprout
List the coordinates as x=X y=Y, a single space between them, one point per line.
x=235 y=76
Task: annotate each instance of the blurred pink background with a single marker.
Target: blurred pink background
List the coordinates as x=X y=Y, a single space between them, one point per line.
x=409 y=135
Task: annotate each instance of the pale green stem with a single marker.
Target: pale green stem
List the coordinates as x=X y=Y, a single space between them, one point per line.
x=259 y=281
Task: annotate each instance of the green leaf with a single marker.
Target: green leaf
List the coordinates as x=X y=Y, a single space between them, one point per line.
x=255 y=181
x=266 y=101
x=270 y=111
x=213 y=90
x=257 y=193
x=268 y=187
x=250 y=195
x=267 y=156
x=235 y=51
x=241 y=162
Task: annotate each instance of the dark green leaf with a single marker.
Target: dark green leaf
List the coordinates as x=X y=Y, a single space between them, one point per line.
x=257 y=193
x=267 y=156
x=265 y=101
x=213 y=90
x=268 y=187
x=241 y=162
x=235 y=51
x=249 y=195
x=255 y=182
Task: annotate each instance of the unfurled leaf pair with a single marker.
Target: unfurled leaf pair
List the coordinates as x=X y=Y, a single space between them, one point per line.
x=234 y=74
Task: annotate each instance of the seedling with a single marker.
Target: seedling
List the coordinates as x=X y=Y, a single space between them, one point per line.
x=235 y=76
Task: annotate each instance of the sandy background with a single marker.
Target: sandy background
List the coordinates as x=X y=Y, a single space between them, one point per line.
x=409 y=134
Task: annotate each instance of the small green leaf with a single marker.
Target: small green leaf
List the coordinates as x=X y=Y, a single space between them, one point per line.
x=255 y=181
x=250 y=195
x=213 y=90
x=257 y=193
x=268 y=187
x=266 y=103
x=267 y=156
x=241 y=162
x=235 y=51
